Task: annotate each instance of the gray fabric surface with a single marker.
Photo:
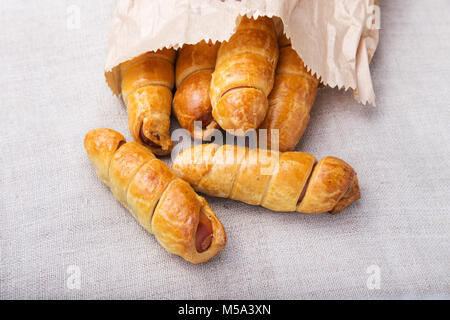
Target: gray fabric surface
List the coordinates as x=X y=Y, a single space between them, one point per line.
x=55 y=213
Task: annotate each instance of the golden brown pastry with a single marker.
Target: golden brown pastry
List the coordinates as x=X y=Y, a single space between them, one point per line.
x=166 y=206
x=194 y=67
x=291 y=99
x=147 y=83
x=289 y=181
x=244 y=75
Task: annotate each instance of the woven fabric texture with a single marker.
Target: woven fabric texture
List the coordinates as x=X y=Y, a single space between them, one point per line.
x=58 y=222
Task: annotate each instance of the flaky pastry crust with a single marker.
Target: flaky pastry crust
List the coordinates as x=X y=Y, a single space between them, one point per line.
x=191 y=103
x=244 y=75
x=162 y=203
x=146 y=86
x=290 y=101
x=289 y=181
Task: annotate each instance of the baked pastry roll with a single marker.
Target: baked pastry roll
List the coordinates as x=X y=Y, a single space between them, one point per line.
x=289 y=181
x=194 y=67
x=244 y=75
x=291 y=99
x=166 y=206
x=147 y=83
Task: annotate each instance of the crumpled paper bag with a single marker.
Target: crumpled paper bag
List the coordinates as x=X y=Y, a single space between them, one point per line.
x=335 y=38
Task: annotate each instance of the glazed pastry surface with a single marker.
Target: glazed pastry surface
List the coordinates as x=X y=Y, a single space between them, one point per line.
x=194 y=67
x=289 y=181
x=162 y=203
x=291 y=99
x=147 y=83
x=244 y=75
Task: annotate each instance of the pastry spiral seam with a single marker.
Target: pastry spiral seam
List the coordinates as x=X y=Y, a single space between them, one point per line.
x=310 y=186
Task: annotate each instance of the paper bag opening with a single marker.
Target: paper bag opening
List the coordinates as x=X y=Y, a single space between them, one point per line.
x=335 y=39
